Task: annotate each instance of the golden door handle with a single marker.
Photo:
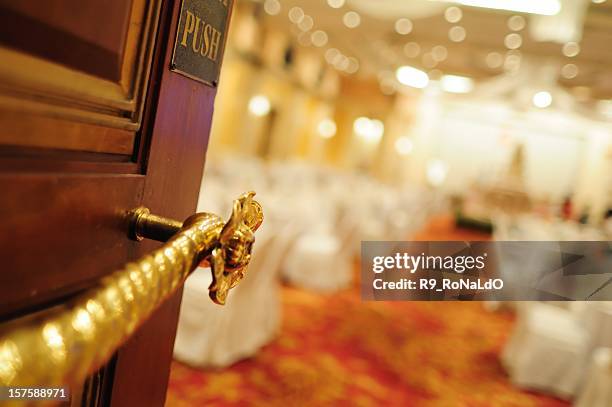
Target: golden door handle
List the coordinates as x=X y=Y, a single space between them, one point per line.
x=69 y=342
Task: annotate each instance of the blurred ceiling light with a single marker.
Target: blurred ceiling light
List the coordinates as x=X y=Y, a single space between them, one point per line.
x=513 y=41
x=342 y=63
x=453 y=14
x=456 y=84
x=494 y=60
x=353 y=65
x=428 y=60
x=306 y=24
x=542 y=99
x=331 y=54
x=319 y=38
x=403 y=26
x=361 y=124
x=413 y=77
x=378 y=129
x=439 y=53
x=338 y=60
x=272 y=7
x=544 y=7
x=351 y=19
x=598 y=1
x=514 y=52
x=457 y=33
x=259 y=105
x=296 y=14
x=327 y=128
x=569 y=71
x=403 y=145
x=516 y=23
x=335 y=3
x=512 y=63
x=436 y=172
x=412 y=49
x=304 y=39
x=369 y=130
x=571 y=49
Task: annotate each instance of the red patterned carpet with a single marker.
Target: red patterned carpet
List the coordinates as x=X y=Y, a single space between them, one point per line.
x=337 y=350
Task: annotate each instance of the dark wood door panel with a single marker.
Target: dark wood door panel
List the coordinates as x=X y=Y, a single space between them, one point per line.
x=78 y=149
x=61 y=232
x=39 y=131
x=37 y=160
x=151 y=350
x=176 y=159
x=95 y=56
x=87 y=35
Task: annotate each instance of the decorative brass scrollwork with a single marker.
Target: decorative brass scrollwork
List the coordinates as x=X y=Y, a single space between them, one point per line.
x=65 y=344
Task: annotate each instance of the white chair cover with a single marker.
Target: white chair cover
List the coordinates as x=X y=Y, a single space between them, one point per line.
x=597 y=389
x=547 y=350
x=317 y=261
x=213 y=335
x=596 y=318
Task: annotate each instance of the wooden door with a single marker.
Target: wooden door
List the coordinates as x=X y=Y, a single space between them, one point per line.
x=93 y=123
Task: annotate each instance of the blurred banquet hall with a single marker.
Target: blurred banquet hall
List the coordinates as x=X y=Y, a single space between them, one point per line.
x=387 y=120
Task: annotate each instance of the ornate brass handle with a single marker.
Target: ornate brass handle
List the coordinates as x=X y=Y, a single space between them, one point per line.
x=67 y=343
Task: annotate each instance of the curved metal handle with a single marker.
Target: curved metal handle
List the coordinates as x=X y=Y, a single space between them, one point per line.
x=73 y=340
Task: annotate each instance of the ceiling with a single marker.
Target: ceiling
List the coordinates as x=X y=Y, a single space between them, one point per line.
x=380 y=49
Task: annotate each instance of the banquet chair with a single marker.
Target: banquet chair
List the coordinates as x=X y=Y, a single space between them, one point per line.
x=348 y=229
x=320 y=257
x=319 y=261
x=596 y=318
x=597 y=388
x=218 y=336
x=547 y=350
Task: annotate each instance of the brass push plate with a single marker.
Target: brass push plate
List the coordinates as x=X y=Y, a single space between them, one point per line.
x=200 y=39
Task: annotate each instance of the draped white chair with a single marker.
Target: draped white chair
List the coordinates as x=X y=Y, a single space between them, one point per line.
x=597 y=388
x=319 y=261
x=320 y=258
x=547 y=351
x=213 y=335
x=596 y=318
